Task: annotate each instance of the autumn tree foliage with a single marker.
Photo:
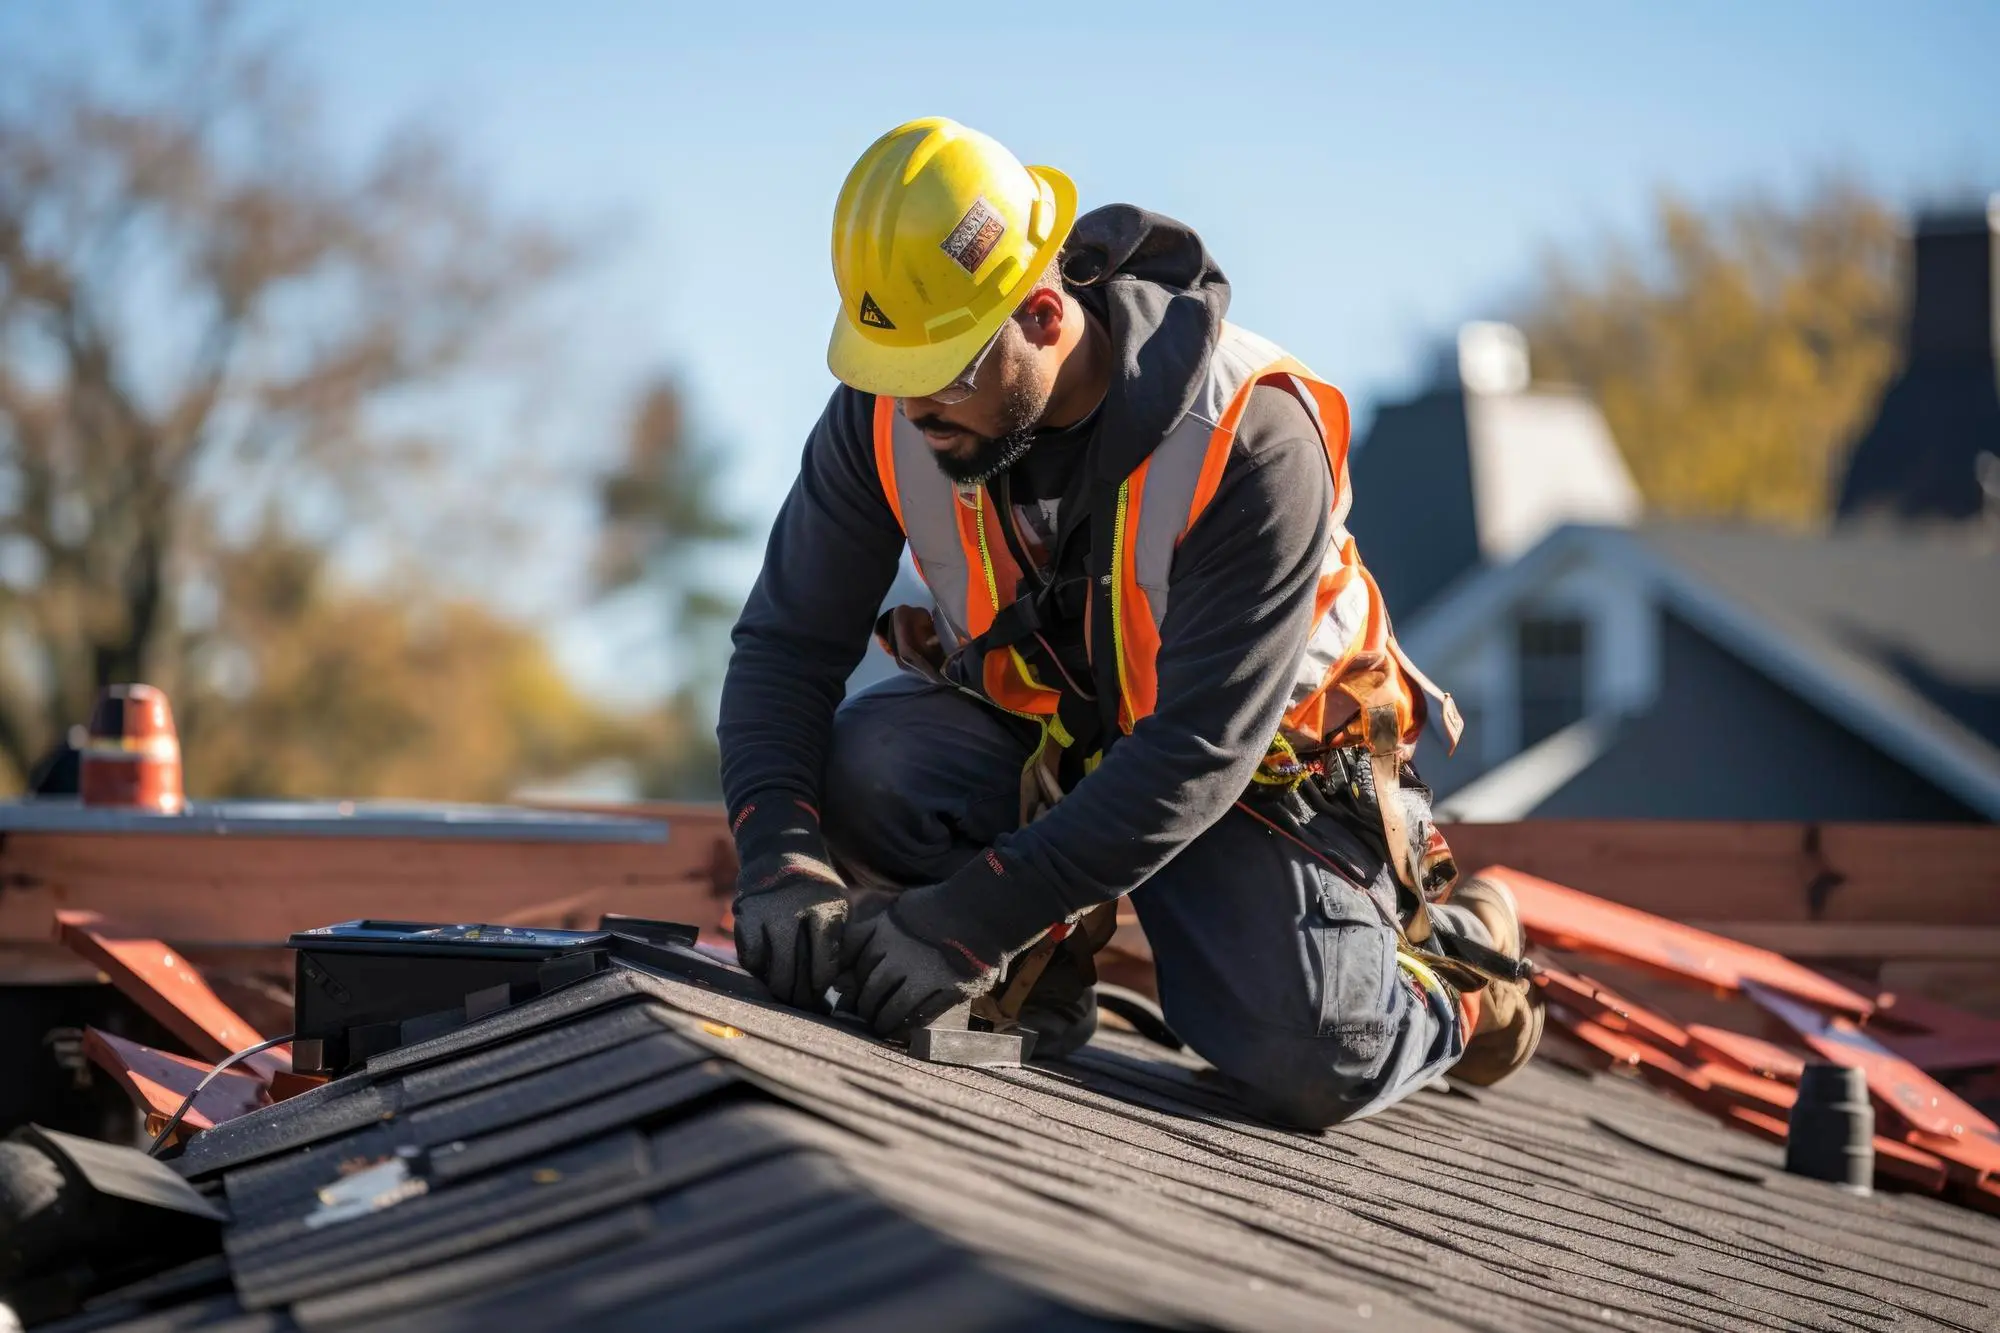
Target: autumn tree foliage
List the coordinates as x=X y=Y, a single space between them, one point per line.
x=216 y=339
x=310 y=686
x=1737 y=352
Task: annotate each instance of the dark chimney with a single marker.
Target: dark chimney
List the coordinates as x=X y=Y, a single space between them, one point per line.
x=1921 y=458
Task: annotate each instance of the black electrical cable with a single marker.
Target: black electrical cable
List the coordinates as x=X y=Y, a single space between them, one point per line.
x=175 y=1119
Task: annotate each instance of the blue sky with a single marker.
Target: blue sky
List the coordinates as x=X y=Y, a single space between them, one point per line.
x=1367 y=176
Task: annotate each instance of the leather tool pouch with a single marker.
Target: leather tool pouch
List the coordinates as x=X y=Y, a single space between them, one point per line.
x=1347 y=791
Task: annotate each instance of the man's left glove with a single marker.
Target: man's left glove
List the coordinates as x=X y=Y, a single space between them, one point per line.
x=790 y=911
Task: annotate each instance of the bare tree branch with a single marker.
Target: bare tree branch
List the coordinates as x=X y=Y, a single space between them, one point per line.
x=202 y=314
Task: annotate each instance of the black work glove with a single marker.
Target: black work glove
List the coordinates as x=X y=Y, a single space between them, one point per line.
x=905 y=982
x=927 y=952
x=789 y=909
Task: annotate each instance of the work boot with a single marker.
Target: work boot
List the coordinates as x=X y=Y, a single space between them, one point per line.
x=1510 y=1012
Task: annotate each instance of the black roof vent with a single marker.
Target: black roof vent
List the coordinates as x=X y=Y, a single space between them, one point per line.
x=1938 y=432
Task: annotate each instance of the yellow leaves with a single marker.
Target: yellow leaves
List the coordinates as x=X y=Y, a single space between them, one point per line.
x=354 y=692
x=1739 y=355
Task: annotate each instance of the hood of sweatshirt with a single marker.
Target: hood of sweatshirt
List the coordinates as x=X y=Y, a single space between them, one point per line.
x=1161 y=296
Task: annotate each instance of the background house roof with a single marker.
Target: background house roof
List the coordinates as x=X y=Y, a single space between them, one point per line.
x=1916 y=610
x=1819 y=616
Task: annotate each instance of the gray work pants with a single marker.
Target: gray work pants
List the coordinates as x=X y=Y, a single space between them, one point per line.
x=1272 y=966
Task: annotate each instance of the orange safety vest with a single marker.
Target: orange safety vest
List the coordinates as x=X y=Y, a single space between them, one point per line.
x=963 y=558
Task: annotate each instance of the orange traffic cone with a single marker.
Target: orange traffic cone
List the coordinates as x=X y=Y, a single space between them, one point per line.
x=133 y=756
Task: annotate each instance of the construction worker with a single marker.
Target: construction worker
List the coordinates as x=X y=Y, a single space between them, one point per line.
x=1155 y=666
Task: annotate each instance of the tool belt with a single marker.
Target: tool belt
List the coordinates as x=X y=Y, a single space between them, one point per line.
x=1363 y=779
x=1377 y=795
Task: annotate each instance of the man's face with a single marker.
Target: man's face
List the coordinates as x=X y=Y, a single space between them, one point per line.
x=979 y=437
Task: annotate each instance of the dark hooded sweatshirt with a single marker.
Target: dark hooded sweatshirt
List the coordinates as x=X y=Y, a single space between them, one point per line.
x=1243 y=584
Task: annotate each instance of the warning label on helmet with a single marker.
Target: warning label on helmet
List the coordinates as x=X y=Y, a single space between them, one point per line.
x=975 y=235
x=871 y=314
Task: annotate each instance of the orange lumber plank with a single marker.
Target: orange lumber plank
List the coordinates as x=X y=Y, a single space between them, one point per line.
x=1773 y=1129
x=156 y=978
x=1752 y=1055
x=1948 y=1125
x=1862 y=939
x=1593 y=1001
x=1621 y=1050
x=1565 y=919
x=1728 y=1086
x=1910 y=1166
x=1934 y=874
x=194 y=889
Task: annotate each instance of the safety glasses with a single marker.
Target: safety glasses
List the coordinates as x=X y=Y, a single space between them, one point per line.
x=965 y=386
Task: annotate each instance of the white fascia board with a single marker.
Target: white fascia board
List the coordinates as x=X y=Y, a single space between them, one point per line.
x=1517 y=788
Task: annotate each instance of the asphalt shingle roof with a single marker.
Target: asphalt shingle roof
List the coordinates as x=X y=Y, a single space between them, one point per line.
x=638 y=1152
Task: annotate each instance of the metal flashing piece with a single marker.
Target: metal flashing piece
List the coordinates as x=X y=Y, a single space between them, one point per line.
x=950 y=1039
x=965 y=1046
x=653 y=932
x=126 y=1173
x=159 y=1081
x=667 y=949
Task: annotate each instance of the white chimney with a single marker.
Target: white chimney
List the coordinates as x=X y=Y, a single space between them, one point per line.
x=1492 y=358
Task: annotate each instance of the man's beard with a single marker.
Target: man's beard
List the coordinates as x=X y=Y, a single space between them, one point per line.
x=1021 y=411
x=988 y=459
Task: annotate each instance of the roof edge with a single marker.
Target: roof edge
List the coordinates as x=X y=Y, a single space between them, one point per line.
x=1936 y=748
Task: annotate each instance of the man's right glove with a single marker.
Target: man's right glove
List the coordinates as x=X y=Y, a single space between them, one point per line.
x=906 y=981
x=790 y=911
x=938 y=945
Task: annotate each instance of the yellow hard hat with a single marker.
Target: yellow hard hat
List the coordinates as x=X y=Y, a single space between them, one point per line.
x=939 y=235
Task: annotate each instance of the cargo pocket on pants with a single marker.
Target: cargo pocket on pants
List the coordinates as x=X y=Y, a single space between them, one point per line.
x=1357 y=970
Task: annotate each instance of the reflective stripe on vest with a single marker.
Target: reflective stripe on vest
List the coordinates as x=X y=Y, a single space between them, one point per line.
x=960 y=555
x=963 y=560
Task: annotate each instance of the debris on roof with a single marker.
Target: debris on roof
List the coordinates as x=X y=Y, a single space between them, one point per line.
x=1932 y=1138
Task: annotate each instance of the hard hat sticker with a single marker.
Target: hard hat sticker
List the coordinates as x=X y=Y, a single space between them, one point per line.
x=871 y=314
x=975 y=235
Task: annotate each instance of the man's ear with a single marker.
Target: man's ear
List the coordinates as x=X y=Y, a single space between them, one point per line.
x=1041 y=317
